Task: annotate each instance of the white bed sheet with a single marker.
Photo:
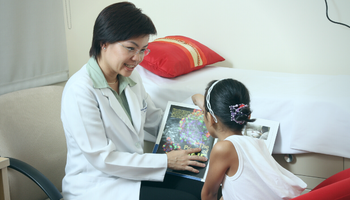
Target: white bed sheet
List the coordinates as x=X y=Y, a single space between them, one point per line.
x=313 y=110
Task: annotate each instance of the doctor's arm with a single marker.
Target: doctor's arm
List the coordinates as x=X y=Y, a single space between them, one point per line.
x=82 y=120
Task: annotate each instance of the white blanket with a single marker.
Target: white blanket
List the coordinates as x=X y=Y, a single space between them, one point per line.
x=313 y=110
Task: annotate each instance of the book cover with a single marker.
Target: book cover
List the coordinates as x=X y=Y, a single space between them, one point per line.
x=183 y=127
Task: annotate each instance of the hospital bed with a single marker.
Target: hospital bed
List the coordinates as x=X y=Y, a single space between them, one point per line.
x=313 y=112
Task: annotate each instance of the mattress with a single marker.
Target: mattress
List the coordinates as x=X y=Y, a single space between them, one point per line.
x=313 y=110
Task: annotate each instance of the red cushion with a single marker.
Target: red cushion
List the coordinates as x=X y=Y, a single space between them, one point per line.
x=336 y=191
x=336 y=187
x=345 y=174
x=173 y=56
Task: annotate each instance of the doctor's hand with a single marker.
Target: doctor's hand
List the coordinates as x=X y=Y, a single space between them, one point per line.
x=183 y=160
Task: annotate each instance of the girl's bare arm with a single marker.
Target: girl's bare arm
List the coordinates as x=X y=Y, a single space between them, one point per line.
x=198 y=99
x=221 y=158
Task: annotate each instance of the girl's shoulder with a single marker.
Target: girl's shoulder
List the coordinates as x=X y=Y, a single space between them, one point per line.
x=225 y=153
x=223 y=148
x=242 y=138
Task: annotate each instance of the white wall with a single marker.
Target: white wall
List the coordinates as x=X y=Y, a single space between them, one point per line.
x=285 y=36
x=80 y=16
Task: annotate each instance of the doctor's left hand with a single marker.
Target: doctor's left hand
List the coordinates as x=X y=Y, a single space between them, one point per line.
x=183 y=160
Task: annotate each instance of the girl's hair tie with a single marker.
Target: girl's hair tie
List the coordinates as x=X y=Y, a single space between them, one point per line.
x=236 y=112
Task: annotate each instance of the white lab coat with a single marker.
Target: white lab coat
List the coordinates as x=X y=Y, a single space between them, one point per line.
x=105 y=157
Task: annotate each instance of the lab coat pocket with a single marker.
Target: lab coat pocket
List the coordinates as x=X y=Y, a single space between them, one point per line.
x=143 y=112
x=144 y=106
x=85 y=183
x=101 y=187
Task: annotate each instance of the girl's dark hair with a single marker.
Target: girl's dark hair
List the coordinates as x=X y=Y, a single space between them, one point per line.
x=226 y=93
x=118 y=22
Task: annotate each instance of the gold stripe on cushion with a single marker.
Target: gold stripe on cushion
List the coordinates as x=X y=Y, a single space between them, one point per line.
x=197 y=60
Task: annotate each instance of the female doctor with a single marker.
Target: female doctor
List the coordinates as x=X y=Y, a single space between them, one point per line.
x=105 y=110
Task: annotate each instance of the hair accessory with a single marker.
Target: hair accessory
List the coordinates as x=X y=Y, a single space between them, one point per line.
x=208 y=100
x=236 y=111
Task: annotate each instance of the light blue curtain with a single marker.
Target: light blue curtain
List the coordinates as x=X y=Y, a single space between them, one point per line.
x=33 y=48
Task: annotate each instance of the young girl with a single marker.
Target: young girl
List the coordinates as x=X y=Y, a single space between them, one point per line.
x=243 y=165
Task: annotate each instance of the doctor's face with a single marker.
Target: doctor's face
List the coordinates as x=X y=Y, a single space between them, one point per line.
x=122 y=57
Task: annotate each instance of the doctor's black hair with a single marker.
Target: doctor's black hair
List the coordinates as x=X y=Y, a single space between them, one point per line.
x=119 y=22
x=225 y=93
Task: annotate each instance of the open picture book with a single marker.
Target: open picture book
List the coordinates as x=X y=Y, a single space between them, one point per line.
x=183 y=127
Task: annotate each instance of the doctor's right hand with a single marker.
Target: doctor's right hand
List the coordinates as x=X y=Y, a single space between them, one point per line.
x=183 y=160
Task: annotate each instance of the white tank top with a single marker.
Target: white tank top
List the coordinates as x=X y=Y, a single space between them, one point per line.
x=259 y=176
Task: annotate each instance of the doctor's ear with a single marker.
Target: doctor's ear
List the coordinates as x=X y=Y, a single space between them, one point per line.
x=103 y=46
